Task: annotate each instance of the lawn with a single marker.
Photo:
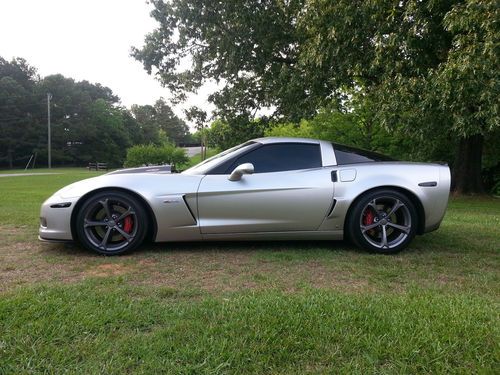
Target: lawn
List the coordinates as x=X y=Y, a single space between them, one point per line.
x=260 y=307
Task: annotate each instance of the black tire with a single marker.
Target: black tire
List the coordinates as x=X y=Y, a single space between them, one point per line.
x=111 y=223
x=379 y=214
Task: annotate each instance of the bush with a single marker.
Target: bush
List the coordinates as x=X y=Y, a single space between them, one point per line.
x=141 y=155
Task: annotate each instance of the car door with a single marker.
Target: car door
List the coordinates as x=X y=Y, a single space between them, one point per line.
x=288 y=191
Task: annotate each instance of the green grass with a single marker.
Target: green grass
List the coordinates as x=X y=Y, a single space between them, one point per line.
x=21 y=197
x=260 y=307
x=113 y=329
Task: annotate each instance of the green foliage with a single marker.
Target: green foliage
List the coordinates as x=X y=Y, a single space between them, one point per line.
x=224 y=135
x=173 y=127
x=428 y=69
x=495 y=190
x=355 y=130
x=158 y=123
x=88 y=125
x=145 y=117
x=19 y=109
x=468 y=83
x=141 y=155
x=248 y=44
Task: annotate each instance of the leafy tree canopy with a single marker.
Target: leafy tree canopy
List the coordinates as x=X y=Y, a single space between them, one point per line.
x=424 y=67
x=153 y=118
x=87 y=122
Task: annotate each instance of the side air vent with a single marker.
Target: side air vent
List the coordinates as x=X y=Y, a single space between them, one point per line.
x=331 y=209
x=61 y=205
x=189 y=208
x=428 y=184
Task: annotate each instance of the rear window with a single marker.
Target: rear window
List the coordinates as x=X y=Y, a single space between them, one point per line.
x=352 y=155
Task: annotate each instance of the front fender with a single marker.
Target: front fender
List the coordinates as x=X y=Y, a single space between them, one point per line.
x=171 y=198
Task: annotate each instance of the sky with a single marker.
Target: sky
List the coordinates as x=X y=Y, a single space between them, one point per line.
x=86 y=39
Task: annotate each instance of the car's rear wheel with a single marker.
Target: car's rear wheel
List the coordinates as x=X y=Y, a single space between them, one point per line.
x=111 y=223
x=383 y=221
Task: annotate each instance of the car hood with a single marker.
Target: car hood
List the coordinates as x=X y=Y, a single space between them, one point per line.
x=148 y=169
x=145 y=183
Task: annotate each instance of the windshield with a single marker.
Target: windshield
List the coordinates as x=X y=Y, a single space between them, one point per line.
x=208 y=164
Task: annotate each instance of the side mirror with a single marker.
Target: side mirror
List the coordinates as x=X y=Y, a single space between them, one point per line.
x=240 y=170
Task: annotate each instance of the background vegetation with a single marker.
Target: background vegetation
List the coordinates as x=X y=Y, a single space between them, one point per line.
x=88 y=122
x=424 y=73
x=155 y=155
x=418 y=80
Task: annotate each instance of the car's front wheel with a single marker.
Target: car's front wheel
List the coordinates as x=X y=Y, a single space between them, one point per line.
x=383 y=221
x=111 y=222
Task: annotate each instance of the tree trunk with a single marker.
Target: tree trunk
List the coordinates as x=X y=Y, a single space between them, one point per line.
x=9 y=158
x=466 y=174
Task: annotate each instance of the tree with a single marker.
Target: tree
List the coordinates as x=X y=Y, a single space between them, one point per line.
x=468 y=85
x=19 y=110
x=174 y=127
x=455 y=96
x=224 y=135
x=199 y=117
x=247 y=44
x=160 y=117
x=415 y=60
x=105 y=135
x=87 y=122
x=145 y=117
x=87 y=125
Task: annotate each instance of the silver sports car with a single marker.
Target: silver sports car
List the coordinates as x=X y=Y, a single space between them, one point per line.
x=264 y=189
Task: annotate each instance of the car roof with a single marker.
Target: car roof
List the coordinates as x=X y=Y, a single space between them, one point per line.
x=266 y=140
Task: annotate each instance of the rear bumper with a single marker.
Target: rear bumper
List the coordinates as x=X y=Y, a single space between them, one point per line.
x=432 y=228
x=435 y=200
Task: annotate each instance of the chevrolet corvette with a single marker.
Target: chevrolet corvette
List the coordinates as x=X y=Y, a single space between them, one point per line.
x=264 y=189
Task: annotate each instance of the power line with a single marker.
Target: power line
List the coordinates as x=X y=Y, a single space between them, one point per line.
x=8 y=119
x=41 y=103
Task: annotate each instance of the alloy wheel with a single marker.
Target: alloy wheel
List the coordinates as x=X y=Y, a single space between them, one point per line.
x=385 y=222
x=110 y=224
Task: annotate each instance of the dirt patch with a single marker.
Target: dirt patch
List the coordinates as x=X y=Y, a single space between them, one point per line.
x=105 y=270
x=8 y=231
x=220 y=268
x=23 y=263
x=181 y=267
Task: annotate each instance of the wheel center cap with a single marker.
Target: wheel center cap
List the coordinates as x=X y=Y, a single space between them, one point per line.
x=111 y=223
x=383 y=222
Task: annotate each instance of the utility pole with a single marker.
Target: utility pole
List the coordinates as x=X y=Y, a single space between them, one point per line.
x=49 y=96
x=203 y=143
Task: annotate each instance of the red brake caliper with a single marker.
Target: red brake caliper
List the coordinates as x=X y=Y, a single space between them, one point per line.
x=368 y=217
x=128 y=224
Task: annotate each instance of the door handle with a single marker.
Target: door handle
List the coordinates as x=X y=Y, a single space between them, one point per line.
x=334 y=176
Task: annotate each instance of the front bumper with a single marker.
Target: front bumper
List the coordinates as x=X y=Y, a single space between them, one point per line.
x=49 y=240
x=55 y=221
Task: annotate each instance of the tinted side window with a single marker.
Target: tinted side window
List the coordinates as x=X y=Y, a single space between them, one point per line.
x=281 y=157
x=352 y=155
